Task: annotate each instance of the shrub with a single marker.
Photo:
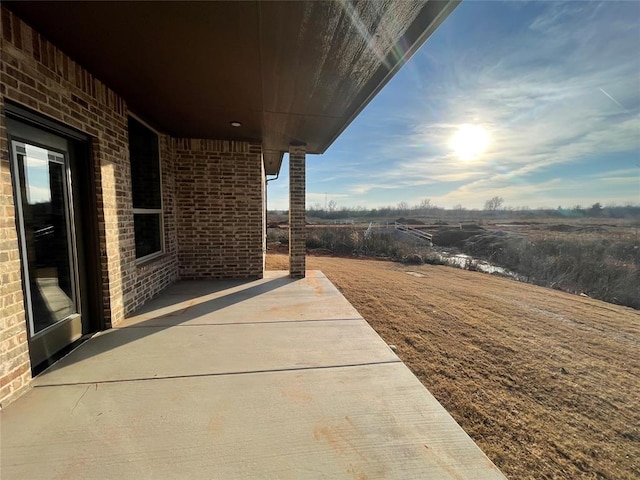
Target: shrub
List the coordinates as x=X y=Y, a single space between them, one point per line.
x=313 y=241
x=450 y=237
x=412 y=259
x=600 y=268
x=277 y=235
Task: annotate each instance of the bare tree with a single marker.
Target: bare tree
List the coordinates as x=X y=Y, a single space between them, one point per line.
x=333 y=206
x=494 y=203
x=425 y=204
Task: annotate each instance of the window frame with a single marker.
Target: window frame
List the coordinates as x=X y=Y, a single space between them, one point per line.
x=148 y=211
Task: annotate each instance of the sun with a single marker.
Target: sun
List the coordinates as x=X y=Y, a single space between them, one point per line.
x=469 y=142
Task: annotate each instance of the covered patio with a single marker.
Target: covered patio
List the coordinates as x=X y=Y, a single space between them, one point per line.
x=272 y=378
x=159 y=123
x=155 y=125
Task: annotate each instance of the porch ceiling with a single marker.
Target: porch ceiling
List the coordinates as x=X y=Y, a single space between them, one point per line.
x=288 y=71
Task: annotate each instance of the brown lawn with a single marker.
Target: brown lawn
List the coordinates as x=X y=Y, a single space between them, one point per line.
x=547 y=383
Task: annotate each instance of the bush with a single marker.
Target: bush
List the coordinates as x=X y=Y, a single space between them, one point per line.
x=450 y=237
x=275 y=235
x=600 y=268
x=314 y=242
x=412 y=259
x=351 y=241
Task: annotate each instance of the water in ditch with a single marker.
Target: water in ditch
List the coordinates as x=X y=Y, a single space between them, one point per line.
x=468 y=262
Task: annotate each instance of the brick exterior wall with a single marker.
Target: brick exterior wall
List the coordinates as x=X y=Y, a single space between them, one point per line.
x=15 y=369
x=155 y=275
x=219 y=209
x=263 y=182
x=212 y=194
x=37 y=75
x=297 y=211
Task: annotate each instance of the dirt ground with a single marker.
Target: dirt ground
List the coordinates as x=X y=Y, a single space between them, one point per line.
x=546 y=383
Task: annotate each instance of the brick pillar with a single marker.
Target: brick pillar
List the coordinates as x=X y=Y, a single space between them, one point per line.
x=297 y=220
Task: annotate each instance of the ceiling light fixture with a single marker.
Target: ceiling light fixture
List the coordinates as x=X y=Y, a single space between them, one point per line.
x=235 y=124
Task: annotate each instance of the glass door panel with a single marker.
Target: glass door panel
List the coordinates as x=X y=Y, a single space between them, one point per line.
x=47 y=245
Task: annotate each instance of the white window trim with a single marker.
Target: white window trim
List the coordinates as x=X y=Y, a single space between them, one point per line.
x=160 y=210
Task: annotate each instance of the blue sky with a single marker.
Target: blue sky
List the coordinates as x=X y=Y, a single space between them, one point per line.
x=556 y=87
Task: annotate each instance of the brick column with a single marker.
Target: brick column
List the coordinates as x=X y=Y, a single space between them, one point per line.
x=297 y=212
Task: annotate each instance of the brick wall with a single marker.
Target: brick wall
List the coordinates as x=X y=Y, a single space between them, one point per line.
x=263 y=182
x=15 y=369
x=212 y=195
x=155 y=275
x=297 y=212
x=37 y=75
x=219 y=209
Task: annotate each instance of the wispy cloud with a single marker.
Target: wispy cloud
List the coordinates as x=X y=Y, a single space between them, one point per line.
x=556 y=84
x=322 y=196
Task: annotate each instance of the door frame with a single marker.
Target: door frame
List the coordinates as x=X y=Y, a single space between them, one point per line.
x=89 y=268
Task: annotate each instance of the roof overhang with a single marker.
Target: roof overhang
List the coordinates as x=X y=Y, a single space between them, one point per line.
x=289 y=72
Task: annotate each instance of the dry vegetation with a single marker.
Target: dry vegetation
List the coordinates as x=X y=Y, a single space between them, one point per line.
x=599 y=257
x=546 y=383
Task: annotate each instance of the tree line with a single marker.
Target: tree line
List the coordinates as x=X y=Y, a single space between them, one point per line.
x=494 y=206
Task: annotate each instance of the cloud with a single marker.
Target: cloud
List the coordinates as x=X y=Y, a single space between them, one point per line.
x=321 y=199
x=519 y=190
x=564 y=90
x=38 y=194
x=317 y=196
x=631 y=174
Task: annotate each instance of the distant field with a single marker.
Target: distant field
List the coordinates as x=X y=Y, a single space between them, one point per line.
x=547 y=383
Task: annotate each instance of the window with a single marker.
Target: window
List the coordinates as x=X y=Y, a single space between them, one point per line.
x=146 y=189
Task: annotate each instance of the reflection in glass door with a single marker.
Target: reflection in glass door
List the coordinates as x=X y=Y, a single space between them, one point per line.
x=46 y=223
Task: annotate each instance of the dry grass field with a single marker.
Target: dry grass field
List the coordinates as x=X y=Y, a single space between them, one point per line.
x=547 y=383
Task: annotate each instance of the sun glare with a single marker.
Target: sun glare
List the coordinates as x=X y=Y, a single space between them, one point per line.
x=469 y=142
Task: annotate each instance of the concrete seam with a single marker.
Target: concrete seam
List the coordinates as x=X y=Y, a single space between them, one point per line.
x=221 y=374
x=351 y=319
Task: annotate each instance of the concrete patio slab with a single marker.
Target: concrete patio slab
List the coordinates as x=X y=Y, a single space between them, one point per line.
x=236 y=392
x=276 y=297
x=373 y=422
x=137 y=353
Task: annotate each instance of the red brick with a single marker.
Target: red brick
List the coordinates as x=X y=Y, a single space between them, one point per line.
x=212 y=195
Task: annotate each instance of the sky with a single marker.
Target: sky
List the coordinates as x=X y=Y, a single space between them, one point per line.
x=554 y=88
x=37 y=171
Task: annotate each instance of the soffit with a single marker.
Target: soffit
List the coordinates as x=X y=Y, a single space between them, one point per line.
x=288 y=71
